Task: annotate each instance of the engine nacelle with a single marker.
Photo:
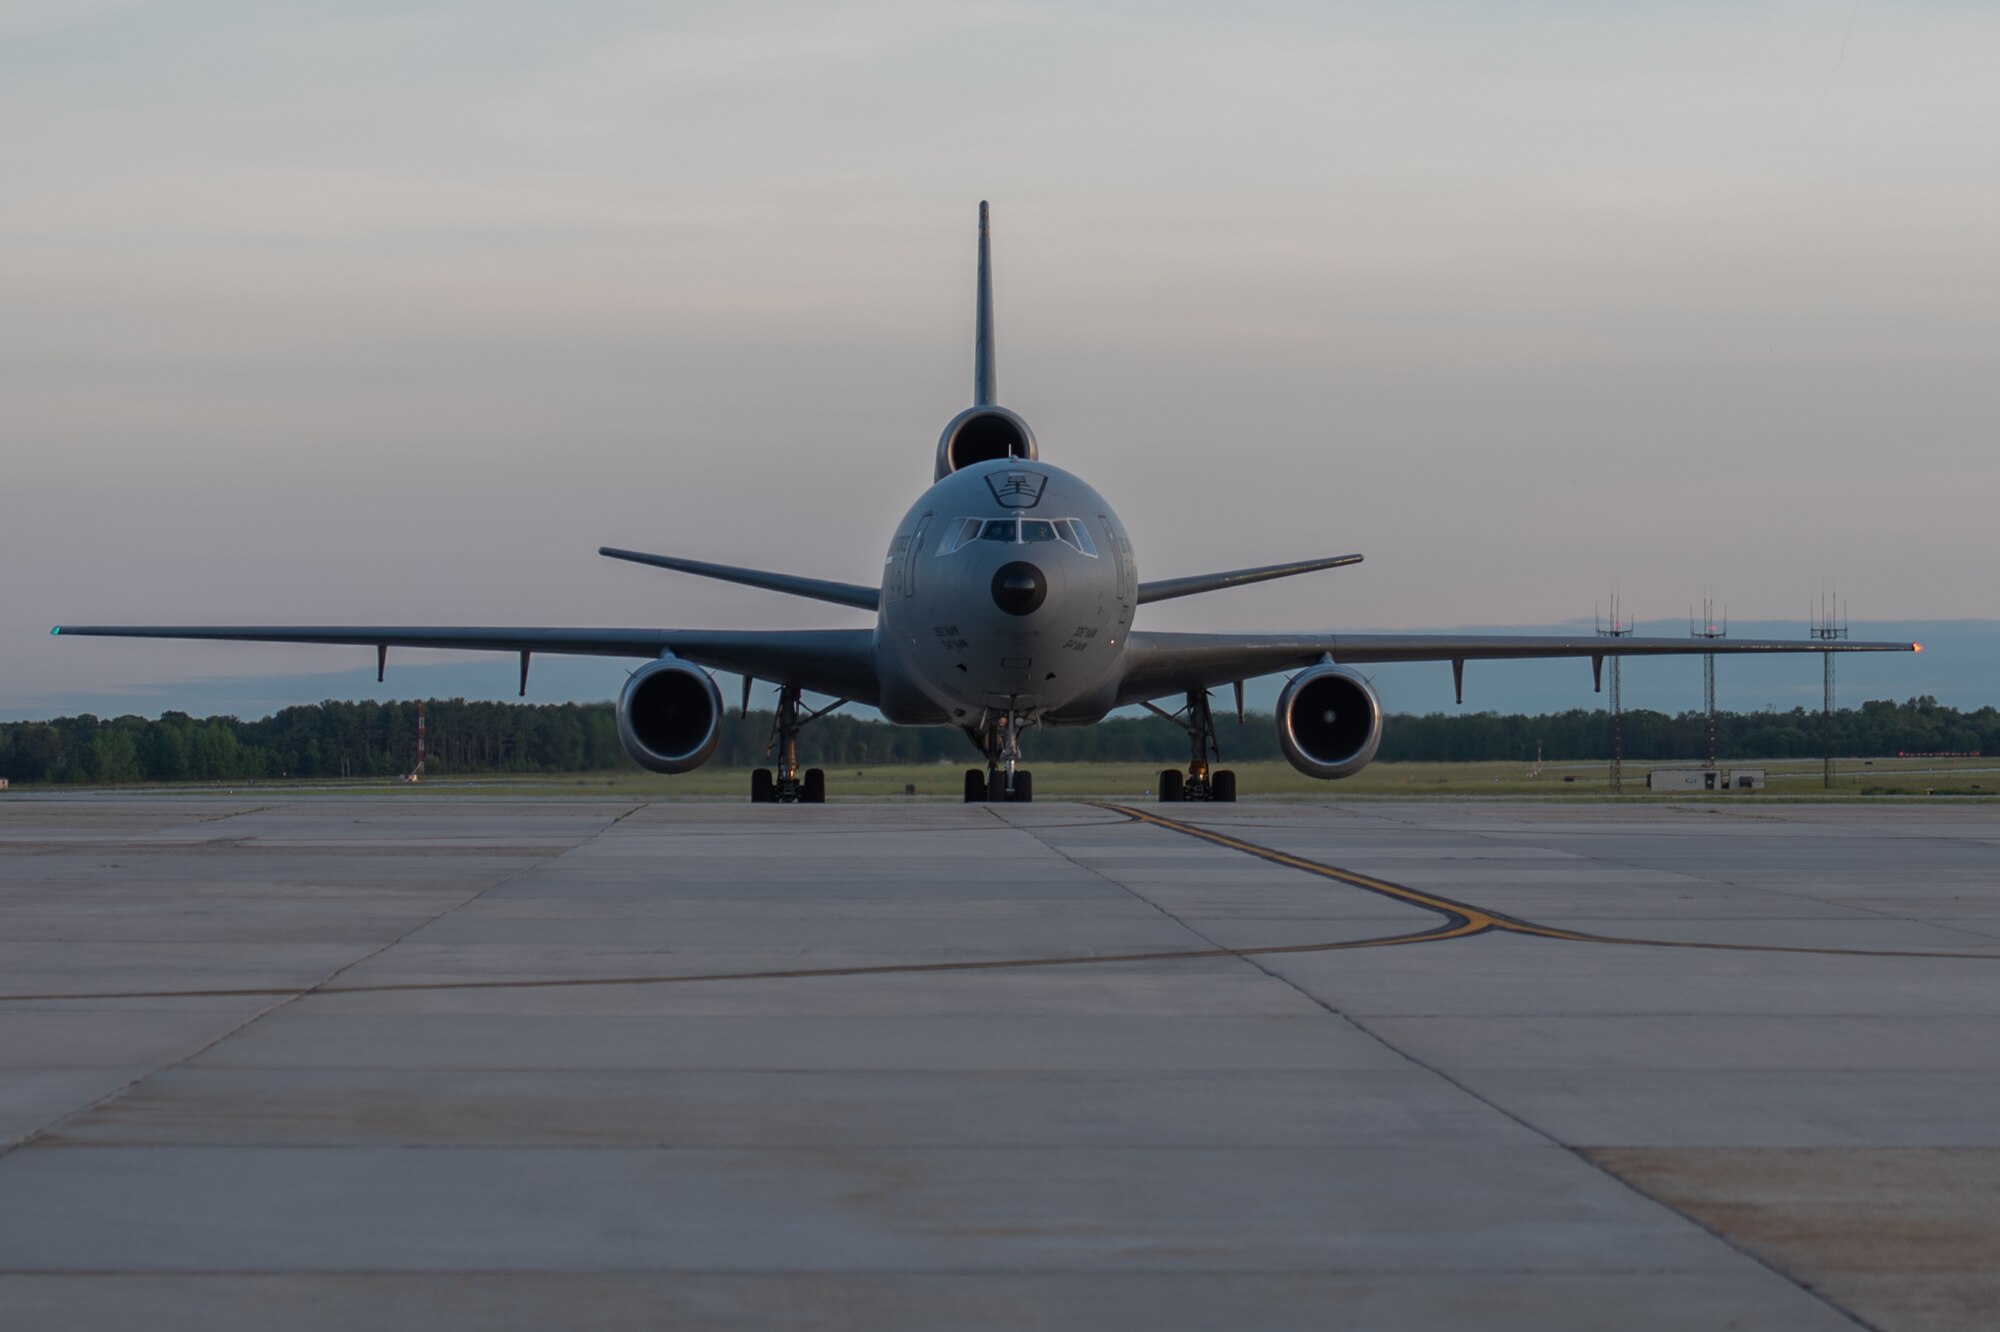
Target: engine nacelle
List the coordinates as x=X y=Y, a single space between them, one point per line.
x=1329 y=722
x=670 y=716
x=983 y=434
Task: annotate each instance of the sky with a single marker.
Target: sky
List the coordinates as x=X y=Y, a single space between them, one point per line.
x=327 y=313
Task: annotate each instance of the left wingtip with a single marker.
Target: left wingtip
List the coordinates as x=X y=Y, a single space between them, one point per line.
x=1916 y=647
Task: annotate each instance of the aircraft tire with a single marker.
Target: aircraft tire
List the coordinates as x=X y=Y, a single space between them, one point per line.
x=812 y=791
x=996 y=785
x=1170 y=785
x=1222 y=786
x=763 y=787
x=975 y=786
x=1024 y=786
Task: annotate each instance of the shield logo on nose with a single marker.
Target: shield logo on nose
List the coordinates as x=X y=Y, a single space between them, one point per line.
x=1018 y=490
x=1019 y=588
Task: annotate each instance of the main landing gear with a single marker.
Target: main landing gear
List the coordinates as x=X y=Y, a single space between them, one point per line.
x=1200 y=782
x=788 y=785
x=999 y=735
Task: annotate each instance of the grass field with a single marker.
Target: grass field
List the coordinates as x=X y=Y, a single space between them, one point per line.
x=1792 y=779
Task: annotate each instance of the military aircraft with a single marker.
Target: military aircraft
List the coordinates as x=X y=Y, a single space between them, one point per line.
x=1007 y=600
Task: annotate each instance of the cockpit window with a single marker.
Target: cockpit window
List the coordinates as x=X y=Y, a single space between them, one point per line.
x=958 y=534
x=1074 y=533
x=962 y=532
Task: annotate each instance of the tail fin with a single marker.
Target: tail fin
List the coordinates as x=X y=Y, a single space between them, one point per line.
x=985 y=431
x=985 y=373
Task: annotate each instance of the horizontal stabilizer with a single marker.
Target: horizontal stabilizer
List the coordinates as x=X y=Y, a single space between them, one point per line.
x=1166 y=589
x=818 y=589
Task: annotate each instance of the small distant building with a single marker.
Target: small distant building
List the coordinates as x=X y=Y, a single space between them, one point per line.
x=3 y=783
x=1705 y=779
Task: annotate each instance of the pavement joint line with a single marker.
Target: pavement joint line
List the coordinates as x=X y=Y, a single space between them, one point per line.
x=283 y=997
x=1765 y=815
x=1462 y=920
x=1448 y=930
x=1487 y=922
x=1498 y=922
x=794 y=973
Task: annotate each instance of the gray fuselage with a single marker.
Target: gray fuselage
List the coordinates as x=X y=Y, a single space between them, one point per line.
x=1009 y=587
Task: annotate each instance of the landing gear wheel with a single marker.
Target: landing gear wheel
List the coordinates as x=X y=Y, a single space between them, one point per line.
x=996 y=785
x=975 y=786
x=1024 y=786
x=1200 y=782
x=788 y=785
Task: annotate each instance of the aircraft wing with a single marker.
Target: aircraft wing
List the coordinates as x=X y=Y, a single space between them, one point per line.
x=1159 y=664
x=840 y=662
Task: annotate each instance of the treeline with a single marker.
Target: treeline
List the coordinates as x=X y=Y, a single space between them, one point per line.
x=325 y=740
x=380 y=739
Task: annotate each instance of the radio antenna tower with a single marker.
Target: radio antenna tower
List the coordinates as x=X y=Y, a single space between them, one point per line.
x=423 y=737
x=1829 y=624
x=1618 y=628
x=1708 y=629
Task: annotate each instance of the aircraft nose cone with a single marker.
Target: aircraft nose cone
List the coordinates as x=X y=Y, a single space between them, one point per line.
x=1019 y=588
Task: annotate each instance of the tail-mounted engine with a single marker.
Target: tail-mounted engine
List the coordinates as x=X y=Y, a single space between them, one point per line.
x=1329 y=722
x=983 y=434
x=670 y=716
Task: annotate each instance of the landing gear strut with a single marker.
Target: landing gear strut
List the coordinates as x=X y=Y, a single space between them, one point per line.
x=788 y=785
x=999 y=737
x=1200 y=781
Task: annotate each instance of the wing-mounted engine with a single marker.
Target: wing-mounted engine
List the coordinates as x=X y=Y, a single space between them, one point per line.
x=670 y=716
x=983 y=434
x=1329 y=722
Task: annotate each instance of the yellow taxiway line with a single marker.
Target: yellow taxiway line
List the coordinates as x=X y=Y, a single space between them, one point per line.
x=1461 y=920
x=1464 y=919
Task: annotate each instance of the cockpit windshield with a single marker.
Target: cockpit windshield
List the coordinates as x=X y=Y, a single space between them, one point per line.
x=962 y=532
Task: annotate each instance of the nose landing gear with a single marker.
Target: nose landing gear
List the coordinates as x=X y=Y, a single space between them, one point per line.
x=1200 y=781
x=788 y=786
x=999 y=736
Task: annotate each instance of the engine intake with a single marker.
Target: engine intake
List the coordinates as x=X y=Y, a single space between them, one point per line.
x=670 y=716
x=983 y=434
x=1329 y=722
